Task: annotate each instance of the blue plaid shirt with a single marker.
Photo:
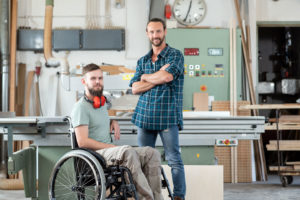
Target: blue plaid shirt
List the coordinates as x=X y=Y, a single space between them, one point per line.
x=160 y=107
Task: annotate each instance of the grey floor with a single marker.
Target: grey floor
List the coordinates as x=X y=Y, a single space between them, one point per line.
x=270 y=190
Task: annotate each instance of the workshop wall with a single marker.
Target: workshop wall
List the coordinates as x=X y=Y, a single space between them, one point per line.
x=280 y=10
x=133 y=18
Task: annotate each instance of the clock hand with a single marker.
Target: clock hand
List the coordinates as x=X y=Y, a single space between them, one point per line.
x=188 y=11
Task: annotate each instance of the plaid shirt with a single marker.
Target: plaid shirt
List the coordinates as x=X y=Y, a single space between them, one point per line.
x=160 y=107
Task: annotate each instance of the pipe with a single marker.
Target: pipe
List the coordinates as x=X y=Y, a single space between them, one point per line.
x=4 y=51
x=50 y=60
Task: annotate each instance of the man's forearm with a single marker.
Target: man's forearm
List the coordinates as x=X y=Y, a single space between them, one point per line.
x=157 y=78
x=141 y=86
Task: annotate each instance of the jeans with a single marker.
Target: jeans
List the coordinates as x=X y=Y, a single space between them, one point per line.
x=170 y=140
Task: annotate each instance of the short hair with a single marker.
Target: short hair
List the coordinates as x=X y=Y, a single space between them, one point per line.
x=90 y=67
x=157 y=20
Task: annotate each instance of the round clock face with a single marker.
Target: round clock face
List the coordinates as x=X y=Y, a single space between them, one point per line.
x=189 y=12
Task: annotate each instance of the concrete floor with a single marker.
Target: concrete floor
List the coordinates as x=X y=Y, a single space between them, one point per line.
x=270 y=190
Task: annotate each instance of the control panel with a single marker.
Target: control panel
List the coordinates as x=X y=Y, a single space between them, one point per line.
x=206 y=62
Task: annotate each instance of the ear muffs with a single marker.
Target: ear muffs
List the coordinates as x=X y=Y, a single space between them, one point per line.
x=97 y=101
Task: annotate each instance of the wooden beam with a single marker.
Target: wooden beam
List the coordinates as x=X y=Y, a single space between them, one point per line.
x=21 y=89
x=28 y=91
x=270 y=106
x=13 y=45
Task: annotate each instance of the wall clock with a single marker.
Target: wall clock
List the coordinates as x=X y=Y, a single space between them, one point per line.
x=189 y=12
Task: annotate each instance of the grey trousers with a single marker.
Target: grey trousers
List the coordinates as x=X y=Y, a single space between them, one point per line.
x=144 y=164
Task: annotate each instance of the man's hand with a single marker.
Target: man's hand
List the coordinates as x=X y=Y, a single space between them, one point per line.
x=114 y=126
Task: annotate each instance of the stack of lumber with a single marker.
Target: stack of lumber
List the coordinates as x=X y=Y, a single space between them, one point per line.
x=286 y=122
x=290 y=167
x=284 y=145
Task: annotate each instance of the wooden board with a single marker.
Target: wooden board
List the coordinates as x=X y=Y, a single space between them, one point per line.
x=289 y=119
x=21 y=89
x=297 y=167
x=284 y=145
x=202 y=182
x=200 y=101
x=13 y=47
x=282 y=126
x=282 y=168
x=270 y=106
x=225 y=106
x=28 y=92
x=293 y=163
x=285 y=142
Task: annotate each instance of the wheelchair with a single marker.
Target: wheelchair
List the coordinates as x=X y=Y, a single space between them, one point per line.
x=82 y=174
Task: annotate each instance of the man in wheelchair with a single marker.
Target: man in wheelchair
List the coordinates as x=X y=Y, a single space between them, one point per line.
x=93 y=127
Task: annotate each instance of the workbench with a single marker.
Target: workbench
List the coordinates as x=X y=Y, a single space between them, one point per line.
x=51 y=141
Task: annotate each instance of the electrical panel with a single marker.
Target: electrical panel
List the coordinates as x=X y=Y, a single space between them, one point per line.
x=73 y=39
x=207 y=62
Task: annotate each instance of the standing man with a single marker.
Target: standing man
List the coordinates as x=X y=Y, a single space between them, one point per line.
x=159 y=81
x=93 y=126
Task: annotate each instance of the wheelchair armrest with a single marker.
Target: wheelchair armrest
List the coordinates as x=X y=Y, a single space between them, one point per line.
x=97 y=155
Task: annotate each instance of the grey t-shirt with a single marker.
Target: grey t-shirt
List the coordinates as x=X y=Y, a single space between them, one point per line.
x=97 y=120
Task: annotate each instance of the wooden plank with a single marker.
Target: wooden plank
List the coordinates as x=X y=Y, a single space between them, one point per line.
x=13 y=45
x=297 y=167
x=285 y=142
x=282 y=168
x=270 y=106
x=282 y=126
x=28 y=91
x=282 y=148
x=289 y=119
x=293 y=163
x=21 y=89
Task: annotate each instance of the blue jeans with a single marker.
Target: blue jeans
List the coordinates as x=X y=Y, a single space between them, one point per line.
x=170 y=140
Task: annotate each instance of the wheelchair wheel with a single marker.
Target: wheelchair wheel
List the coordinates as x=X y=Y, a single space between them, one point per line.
x=77 y=175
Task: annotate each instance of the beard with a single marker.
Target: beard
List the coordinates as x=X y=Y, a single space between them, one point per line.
x=97 y=92
x=161 y=40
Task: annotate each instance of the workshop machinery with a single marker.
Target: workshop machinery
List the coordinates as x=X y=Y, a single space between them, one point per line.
x=51 y=141
x=207 y=62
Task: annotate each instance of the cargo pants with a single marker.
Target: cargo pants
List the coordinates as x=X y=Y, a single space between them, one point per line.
x=144 y=164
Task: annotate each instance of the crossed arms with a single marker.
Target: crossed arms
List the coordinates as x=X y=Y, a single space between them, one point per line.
x=148 y=81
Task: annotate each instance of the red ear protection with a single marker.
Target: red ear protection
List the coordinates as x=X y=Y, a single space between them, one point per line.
x=97 y=101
